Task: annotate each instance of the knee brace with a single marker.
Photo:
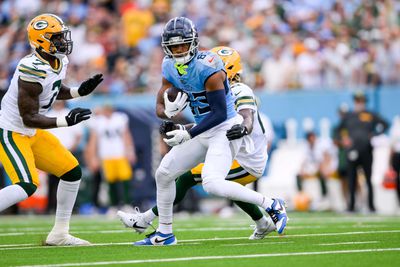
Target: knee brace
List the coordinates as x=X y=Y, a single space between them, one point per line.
x=73 y=175
x=29 y=188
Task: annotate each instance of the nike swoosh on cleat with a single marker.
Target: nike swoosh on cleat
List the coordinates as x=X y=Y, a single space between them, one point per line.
x=162 y=240
x=137 y=226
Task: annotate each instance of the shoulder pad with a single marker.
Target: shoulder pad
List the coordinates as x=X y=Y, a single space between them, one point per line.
x=32 y=68
x=209 y=59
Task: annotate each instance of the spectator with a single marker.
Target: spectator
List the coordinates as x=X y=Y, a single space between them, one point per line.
x=336 y=44
x=356 y=130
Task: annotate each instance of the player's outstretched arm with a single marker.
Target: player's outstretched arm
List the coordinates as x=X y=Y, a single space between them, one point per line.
x=84 y=89
x=28 y=105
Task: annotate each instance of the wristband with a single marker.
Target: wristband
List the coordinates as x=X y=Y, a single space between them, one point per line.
x=74 y=92
x=61 y=122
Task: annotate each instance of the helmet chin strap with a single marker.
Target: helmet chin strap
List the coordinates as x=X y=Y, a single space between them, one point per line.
x=60 y=56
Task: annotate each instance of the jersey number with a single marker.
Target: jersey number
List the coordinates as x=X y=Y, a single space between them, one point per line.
x=56 y=88
x=199 y=103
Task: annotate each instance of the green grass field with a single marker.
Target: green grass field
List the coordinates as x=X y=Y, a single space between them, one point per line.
x=311 y=239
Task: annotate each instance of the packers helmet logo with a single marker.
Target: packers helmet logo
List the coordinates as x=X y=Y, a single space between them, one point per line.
x=40 y=25
x=225 y=52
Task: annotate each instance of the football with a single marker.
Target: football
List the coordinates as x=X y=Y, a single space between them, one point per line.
x=173 y=92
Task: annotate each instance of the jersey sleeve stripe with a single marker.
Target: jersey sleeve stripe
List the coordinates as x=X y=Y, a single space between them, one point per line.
x=249 y=101
x=242 y=104
x=32 y=69
x=35 y=74
x=245 y=97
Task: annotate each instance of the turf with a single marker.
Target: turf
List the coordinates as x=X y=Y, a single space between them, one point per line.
x=311 y=239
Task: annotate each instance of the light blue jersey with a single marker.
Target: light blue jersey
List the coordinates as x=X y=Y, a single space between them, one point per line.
x=191 y=79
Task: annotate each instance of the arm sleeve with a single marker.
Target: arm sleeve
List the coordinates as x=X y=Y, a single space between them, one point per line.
x=218 y=114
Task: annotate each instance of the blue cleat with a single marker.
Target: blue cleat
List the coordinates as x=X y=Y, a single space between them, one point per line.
x=157 y=239
x=277 y=212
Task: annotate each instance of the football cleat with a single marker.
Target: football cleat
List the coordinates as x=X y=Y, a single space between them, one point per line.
x=157 y=239
x=133 y=220
x=261 y=232
x=54 y=239
x=277 y=212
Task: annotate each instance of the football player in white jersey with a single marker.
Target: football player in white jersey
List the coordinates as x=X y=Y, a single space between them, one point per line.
x=246 y=168
x=111 y=146
x=25 y=146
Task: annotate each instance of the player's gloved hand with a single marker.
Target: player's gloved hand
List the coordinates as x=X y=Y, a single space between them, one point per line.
x=177 y=137
x=167 y=126
x=90 y=84
x=237 y=131
x=174 y=107
x=77 y=115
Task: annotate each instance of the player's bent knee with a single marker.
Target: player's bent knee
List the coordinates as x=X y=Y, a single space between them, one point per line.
x=213 y=187
x=29 y=188
x=73 y=175
x=162 y=174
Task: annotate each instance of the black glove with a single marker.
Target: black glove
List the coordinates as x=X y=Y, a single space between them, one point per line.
x=77 y=115
x=90 y=84
x=237 y=131
x=167 y=126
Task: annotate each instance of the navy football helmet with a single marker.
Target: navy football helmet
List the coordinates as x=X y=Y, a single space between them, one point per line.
x=180 y=30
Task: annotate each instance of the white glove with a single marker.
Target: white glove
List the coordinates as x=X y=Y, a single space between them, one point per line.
x=173 y=108
x=178 y=137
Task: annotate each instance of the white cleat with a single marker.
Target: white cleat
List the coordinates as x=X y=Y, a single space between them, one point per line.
x=261 y=232
x=133 y=220
x=54 y=239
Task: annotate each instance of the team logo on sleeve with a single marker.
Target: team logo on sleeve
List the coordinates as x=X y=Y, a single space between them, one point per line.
x=40 y=25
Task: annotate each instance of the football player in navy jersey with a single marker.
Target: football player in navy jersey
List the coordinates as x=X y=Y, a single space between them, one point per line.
x=202 y=77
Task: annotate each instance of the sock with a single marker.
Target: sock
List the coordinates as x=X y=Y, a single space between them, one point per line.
x=11 y=195
x=66 y=196
x=183 y=184
x=261 y=222
x=236 y=192
x=166 y=191
x=126 y=188
x=252 y=210
x=150 y=215
x=113 y=194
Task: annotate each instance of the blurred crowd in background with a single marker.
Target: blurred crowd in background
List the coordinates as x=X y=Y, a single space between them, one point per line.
x=313 y=44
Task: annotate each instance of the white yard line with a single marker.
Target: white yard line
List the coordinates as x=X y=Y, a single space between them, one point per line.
x=216 y=239
x=16 y=245
x=216 y=229
x=299 y=235
x=255 y=244
x=348 y=243
x=308 y=253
